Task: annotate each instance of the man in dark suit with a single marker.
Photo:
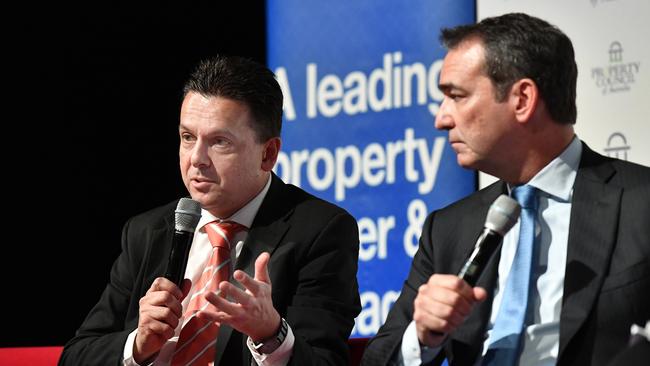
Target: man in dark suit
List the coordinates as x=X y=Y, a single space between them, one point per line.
x=293 y=296
x=510 y=87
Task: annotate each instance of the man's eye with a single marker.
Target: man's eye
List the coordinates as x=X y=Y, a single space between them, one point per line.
x=221 y=142
x=186 y=137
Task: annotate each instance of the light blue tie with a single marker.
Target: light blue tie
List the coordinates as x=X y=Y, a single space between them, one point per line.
x=505 y=341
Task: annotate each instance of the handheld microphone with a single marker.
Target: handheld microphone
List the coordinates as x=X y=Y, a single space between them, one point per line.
x=501 y=217
x=186 y=217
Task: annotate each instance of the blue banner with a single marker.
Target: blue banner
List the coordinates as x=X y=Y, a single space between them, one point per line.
x=360 y=84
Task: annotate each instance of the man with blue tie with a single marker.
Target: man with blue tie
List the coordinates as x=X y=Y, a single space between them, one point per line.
x=573 y=274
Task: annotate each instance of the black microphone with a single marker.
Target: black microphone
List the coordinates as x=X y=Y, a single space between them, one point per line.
x=501 y=217
x=186 y=217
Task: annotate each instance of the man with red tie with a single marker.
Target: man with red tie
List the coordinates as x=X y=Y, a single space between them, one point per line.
x=291 y=258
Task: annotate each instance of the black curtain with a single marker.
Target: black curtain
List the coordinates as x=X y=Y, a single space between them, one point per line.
x=95 y=142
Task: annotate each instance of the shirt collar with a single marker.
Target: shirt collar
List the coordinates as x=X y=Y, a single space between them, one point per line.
x=558 y=176
x=243 y=216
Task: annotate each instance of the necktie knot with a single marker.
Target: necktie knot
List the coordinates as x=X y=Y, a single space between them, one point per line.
x=221 y=233
x=525 y=196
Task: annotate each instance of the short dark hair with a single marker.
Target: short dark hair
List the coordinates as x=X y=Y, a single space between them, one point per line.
x=246 y=81
x=521 y=46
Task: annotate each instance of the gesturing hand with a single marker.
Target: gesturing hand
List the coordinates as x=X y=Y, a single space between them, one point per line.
x=251 y=312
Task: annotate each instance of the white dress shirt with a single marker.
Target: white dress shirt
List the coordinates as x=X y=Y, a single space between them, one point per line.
x=197 y=261
x=541 y=339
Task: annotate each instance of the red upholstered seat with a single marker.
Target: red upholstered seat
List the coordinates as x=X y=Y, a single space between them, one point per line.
x=30 y=356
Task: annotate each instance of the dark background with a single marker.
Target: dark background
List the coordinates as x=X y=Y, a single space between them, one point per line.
x=93 y=141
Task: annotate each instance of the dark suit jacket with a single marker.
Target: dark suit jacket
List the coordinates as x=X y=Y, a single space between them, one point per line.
x=607 y=277
x=314 y=251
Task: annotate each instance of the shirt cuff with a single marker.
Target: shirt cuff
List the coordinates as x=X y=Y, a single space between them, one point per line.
x=128 y=350
x=412 y=353
x=279 y=357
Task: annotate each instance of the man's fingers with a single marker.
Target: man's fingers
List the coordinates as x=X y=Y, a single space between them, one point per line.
x=175 y=307
x=214 y=316
x=434 y=293
x=230 y=291
x=255 y=285
x=163 y=284
x=261 y=268
x=455 y=301
x=444 y=315
x=162 y=315
x=453 y=283
x=443 y=304
x=186 y=286
x=163 y=330
x=247 y=281
x=480 y=294
x=221 y=303
x=162 y=299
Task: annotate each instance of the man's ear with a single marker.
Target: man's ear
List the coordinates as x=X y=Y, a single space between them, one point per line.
x=525 y=98
x=270 y=153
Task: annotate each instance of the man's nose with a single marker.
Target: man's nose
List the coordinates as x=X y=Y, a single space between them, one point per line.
x=199 y=155
x=444 y=121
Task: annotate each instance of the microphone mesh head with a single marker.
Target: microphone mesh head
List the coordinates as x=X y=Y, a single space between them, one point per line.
x=503 y=214
x=187 y=214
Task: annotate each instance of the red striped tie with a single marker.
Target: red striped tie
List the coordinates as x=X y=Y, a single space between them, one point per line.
x=196 y=343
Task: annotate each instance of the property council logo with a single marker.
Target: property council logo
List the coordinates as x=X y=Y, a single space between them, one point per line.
x=617 y=146
x=618 y=75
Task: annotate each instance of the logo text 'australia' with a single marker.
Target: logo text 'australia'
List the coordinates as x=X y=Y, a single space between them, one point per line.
x=618 y=75
x=595 y=2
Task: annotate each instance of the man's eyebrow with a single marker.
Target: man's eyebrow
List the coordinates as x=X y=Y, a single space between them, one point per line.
x=447 y=87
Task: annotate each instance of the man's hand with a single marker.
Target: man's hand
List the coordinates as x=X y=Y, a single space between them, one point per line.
x=251 y=312
x=160 y=311
x=441 y=305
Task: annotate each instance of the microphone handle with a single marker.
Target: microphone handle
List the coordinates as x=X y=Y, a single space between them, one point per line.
x=486 y=244
x=181 y=243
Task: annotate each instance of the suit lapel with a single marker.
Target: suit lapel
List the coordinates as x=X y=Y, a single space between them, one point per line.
x=259 y=240
x=156 y=257
x=265 y=234
x=159 y=257
x=592 y=234
x=268 y=228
